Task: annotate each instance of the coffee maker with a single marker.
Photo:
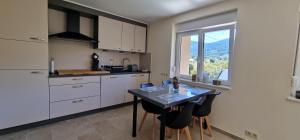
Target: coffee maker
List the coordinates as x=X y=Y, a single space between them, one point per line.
x=95 y=62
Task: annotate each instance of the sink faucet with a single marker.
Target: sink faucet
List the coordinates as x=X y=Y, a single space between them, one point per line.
x=124 y=60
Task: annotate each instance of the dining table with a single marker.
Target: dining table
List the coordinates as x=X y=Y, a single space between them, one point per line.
x=165 y=98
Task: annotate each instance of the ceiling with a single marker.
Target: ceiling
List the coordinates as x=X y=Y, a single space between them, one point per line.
x=145 y=11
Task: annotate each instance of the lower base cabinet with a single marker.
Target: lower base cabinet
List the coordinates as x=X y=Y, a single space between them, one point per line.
x=24 y=97
x=114 y=88
x=63 y=108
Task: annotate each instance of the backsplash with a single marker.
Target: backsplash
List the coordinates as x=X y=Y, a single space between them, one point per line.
x=69 y=54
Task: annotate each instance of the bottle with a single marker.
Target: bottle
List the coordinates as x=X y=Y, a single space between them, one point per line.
x=52 y=71
x=175 y=83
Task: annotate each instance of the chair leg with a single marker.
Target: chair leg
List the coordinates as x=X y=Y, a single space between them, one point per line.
x=208 y=126
x=143 y=120
x=201 y=128
x=194 y=122
x=153 y=127
x=169 y=132
x=178 y=134
x=187 y=132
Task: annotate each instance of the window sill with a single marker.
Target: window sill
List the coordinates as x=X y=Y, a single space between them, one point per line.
x=205 y=85
x=293 y=99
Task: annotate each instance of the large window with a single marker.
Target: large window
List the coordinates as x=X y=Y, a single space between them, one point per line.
x=206 y=53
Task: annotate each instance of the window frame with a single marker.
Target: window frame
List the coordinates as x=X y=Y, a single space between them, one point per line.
x=200 y=60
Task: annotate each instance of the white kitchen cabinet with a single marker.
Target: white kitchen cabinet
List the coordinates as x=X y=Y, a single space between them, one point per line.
x=74 y=106
x=143 y=78
x=25 y=20
x=133 y=82
x=74 y=80
x=67 y=92
x=24 y=97
x=23 y=55
x=70 y=95
x=112 y=90
x=128 y=37
x=140 y=39
x=110 y=34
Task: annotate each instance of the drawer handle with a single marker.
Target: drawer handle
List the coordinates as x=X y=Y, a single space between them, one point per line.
x=142 y=75
x=36 y=72
x=36 y=38
x=133 y=76
x=81 y=86
x=78 y=101
x=113 y=77
x=77 y=79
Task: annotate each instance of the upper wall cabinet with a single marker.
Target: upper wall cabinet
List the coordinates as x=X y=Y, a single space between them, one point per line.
x=140 y=39
x=128 y=37
x=110 y=34
x=25 y=20
x=121 y=36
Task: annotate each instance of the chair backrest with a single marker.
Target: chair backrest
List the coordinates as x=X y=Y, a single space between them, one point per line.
x=205 y=108
x=144 y=85
x=185 y=116
x=166 y=83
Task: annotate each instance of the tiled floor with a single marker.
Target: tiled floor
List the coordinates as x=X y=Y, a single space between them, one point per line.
x=109 y=125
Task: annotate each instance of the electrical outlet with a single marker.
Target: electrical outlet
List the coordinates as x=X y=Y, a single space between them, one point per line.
x=251 y=134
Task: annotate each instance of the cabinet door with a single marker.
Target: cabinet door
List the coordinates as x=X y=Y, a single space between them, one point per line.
x=110 y=34
x=131 y=83
x=128 y=37
x=24 y=97
x=23 y=55
x=25 y=20
x=112 y=90
x=140 y=39
x=143 y=78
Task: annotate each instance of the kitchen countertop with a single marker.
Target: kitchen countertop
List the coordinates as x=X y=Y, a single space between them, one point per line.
x=79 y=75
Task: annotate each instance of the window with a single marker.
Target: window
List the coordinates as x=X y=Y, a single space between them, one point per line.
x=206 y=53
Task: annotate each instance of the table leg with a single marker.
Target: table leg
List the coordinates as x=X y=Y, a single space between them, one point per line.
x=134 y=116
x=163 y=125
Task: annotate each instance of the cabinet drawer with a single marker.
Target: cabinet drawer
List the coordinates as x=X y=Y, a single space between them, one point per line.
x=74 y=80
x=69 y=107
x=67 y=92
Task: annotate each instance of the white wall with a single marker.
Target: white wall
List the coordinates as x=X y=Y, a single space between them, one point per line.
x=76 y=54
x=262 y=69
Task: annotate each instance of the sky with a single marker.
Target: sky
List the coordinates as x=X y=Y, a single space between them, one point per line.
x=215 y=36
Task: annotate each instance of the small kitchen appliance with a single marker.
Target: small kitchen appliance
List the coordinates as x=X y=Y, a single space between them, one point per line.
x=95 y=62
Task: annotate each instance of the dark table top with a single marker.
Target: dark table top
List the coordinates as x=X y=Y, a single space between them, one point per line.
x=167 y=97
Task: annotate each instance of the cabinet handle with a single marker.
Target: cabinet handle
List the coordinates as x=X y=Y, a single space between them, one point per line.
x=112 y=77
x=36 y=38
x=142 y=75
x=76 y=79
x=133 y=76
x=77 y=101
x=36 y=72
x=81 y=86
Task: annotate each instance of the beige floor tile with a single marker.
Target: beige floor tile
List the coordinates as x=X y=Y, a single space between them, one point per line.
x=108 y=125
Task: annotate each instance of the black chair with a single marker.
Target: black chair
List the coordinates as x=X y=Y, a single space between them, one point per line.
x=179 y=120
x=149 y=108
x=201 y=113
